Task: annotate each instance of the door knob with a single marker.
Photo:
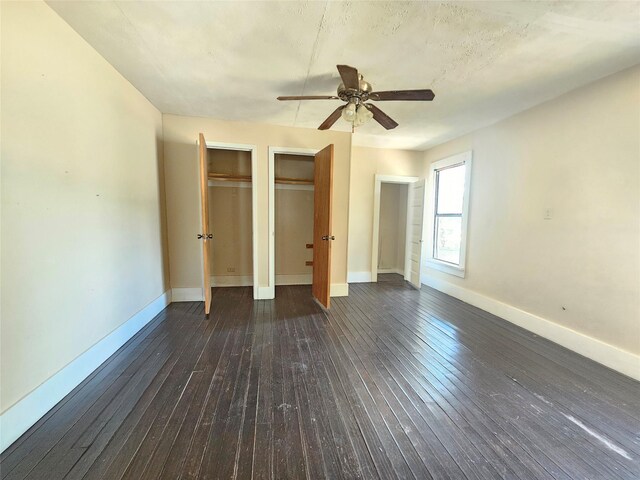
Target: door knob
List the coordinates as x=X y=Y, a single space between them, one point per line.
x=208 y=236
x=328 y=237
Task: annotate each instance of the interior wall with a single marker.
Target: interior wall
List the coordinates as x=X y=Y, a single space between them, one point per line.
x=294 y=229
x=578 y=155
x=365 y=164
x=230 y=223
x=392 y=227
x=181 y=168
x=82 y=198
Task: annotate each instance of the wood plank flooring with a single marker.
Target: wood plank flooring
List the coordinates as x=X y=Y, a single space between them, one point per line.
x=390 y=383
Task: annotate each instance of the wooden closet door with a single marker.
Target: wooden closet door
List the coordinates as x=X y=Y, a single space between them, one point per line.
x=205 y=235
x=322 y=238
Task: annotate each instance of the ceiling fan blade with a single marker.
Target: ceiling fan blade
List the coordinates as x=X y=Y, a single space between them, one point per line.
x=416 y=95
x=331 y=119
x=382 y=118
x=309 y=97
x=349 y=76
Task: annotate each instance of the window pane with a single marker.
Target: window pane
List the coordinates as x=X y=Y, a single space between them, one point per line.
x=451 y=189
x=447 y=241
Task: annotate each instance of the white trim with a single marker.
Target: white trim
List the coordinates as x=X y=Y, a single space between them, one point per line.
x=339 y=290
x=272 y=207
x=231 y=280
x=445 y=267
x=399 y=271
x=359 y=277
x=266 y=293
x=247 y=280
x=187 y=295
x=378 y=181
x=620 y=360
x=254 y=198
x=430 y=262
x=26 y=412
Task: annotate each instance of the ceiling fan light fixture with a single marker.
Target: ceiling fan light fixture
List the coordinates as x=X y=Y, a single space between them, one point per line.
x=363 y=115
x=349 y=112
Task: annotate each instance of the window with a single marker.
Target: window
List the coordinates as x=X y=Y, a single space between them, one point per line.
x=448 y=211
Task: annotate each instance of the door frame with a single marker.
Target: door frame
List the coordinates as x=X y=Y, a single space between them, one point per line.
x=379 y=180
x=254 y=199
x=270 y=291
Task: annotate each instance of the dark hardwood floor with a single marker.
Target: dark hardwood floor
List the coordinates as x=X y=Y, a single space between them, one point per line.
x=390 y=383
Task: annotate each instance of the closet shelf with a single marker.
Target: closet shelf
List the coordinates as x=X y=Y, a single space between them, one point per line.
x=294 y=181
x=225 y=177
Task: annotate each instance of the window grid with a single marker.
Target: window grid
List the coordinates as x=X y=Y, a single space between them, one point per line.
x=437 y=216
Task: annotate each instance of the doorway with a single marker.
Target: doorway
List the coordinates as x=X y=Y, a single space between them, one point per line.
x=391 y=226
x=293 y=217
x=300 y=194
x=232 y=201
x=291 y=192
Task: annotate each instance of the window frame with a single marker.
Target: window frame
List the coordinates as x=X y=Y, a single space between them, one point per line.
x=459 y=270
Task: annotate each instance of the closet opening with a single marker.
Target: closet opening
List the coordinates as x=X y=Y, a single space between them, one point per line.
x=392 y=226
x=231 y=201
x=293 y=218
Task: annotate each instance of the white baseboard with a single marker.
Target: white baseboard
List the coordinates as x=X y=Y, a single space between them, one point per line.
x=339 y=290
x=266 y=293
x=231 y=280
x=391 y=270
x=22 y=415
x=359 y=277
x=247 y=280
x=302 y=279
x=187 y=295
x=601 y=352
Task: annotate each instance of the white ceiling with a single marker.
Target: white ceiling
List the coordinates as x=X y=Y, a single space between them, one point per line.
x=484 y=60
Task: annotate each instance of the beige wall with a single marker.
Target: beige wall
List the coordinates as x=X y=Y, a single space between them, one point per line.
x=294 y=229
x=230 y=222
x=392 y=226
x=580 y=156
x=180 y=134
x=82 y=248
x=365 y=164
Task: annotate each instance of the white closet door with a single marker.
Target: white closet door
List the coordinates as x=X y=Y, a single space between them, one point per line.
x=417 y=199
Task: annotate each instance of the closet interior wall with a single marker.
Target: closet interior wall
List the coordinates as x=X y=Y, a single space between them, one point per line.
x=230 y=210
x=392 y=230
x=293 y=219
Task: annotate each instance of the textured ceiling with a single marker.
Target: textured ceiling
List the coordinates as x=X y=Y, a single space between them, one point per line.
x=484 y=60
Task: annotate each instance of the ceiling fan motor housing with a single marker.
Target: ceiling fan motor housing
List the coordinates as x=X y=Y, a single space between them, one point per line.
x=352 y=95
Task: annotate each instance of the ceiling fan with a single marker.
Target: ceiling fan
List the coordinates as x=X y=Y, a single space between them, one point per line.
x=356 y=91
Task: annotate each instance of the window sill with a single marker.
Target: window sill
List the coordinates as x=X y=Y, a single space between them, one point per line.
x=445 y=267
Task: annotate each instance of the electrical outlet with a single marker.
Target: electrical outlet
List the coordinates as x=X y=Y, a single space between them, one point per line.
x=548 y=213
x=231 y=269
